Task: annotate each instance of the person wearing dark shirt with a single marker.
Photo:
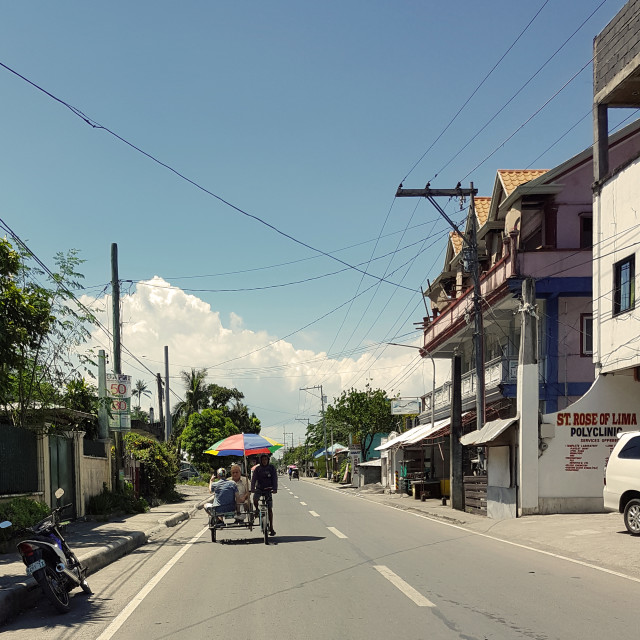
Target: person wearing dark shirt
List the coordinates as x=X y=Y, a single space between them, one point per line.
x=264 y=481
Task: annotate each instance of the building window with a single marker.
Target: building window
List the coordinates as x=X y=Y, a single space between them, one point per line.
x=624 y=294
x=586 y=334
x=586 y=231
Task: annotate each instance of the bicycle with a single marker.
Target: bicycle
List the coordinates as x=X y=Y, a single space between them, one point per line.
x=263 y=514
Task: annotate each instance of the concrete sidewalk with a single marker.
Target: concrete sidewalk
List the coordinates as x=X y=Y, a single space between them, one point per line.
x=97 y=544
x=596 y=539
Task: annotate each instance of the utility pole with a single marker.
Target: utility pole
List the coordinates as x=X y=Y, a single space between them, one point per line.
x=470 y=257
x=528 y=402
x=306 y=444
x=160 y=398
x=103 y=416
x=115 y=296
x=456 y=488
x=167 y=429
x=324 y=425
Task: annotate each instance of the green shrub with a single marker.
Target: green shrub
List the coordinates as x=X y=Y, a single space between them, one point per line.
x=22 y=512
x=159 y=462
x=108 y=502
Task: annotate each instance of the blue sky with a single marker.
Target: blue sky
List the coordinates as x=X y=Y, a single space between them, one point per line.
x=304 y=115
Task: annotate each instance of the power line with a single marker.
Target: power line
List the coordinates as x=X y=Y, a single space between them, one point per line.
x=96 y=125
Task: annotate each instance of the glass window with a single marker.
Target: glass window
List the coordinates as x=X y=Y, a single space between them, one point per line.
x=624 y=295
x=586 y=334
x=631 y=449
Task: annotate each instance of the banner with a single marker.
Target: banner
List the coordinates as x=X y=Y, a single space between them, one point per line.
x=119 y=391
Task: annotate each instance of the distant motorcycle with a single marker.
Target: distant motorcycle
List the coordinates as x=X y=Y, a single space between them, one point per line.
x=50 y=561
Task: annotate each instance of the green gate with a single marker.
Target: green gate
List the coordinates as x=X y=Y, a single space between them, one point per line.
x=62 y=472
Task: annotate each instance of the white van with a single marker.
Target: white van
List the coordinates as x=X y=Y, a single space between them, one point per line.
x=622 y=480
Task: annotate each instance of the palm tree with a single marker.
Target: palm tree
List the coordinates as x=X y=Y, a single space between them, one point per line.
x=140 y=390
x=196 y=397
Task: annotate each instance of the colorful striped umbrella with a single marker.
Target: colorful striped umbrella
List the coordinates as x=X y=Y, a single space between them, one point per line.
x=244 y=444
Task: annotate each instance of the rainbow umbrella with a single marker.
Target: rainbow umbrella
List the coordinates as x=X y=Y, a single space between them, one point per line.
x=244 y=444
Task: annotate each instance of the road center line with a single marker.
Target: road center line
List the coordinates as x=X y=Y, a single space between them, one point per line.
x=144 y=592
x=304 y=504
x=337 y=533
x=314 y=514
x=295 y=497
x=406 y=588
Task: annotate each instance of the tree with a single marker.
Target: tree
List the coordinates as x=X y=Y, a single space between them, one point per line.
x=196 y=398
x=362 y=414
x=203 y=430
x=140 y=390
x=41 y=332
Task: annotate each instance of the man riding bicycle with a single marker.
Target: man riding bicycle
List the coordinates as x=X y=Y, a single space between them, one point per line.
x=264 y=482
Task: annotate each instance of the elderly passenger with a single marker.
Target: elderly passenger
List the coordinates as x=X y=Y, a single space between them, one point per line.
x=242 y=497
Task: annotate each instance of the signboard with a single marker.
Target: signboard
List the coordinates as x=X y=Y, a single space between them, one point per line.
x=119 y=391
x=405 y=407
x=354 y=454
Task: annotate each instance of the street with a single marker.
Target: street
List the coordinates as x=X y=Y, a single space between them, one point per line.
x=339 y=565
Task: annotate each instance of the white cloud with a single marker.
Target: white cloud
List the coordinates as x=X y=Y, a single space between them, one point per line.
x=270 y=372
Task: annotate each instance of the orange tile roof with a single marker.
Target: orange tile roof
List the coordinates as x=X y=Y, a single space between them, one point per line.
x=456 y=242
x=482 y=209
x=512 y=178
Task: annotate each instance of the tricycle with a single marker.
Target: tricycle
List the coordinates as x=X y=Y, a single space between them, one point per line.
x=224 y=518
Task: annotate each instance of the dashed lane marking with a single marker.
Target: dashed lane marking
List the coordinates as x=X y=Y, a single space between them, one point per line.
x=336 y=533
x=403 y=586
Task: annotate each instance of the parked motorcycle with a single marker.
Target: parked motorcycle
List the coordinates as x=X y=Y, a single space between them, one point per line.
x=50 y=561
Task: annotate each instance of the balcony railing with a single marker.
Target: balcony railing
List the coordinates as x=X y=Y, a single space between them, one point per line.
x=496 y=372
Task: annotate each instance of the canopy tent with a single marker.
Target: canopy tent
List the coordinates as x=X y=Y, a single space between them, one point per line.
x=331 y=451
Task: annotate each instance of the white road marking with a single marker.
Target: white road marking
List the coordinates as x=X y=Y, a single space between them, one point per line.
x=314 y=514
x=295 y=497
x=406 y=588
x=337 y=533
x=144 y=592
x=437 y=520
x=304 y=504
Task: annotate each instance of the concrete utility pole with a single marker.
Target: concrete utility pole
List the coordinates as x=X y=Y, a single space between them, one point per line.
x=470 y=255
x=115 y=295
x=528 y=402
x=324 y=425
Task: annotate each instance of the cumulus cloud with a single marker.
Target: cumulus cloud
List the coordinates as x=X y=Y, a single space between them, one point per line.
x=269 y=371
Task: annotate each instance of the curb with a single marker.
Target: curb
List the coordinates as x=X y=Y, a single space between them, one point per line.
x=24 y=595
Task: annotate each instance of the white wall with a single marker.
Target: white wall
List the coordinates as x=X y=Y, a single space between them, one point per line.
x=571 y=469
x=616 y=222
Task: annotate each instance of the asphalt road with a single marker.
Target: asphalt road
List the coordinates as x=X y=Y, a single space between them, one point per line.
x=340 y=566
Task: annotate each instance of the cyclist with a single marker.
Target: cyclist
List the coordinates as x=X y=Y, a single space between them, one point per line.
x=264 y=481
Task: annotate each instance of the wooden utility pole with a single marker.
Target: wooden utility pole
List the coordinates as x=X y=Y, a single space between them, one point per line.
x=455 y=455
x=160 y=398
x=470 y=255
x=115 y=295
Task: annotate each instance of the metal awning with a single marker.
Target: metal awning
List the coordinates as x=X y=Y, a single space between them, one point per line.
x=488 y=433
x=427 y=430
x=398 y=440
x=376 y=462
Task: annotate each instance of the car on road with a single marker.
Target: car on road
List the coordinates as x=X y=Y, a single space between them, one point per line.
x=188 y=471
x=622 y=480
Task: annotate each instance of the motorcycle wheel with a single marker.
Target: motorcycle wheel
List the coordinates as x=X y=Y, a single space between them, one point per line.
x=54 y=588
